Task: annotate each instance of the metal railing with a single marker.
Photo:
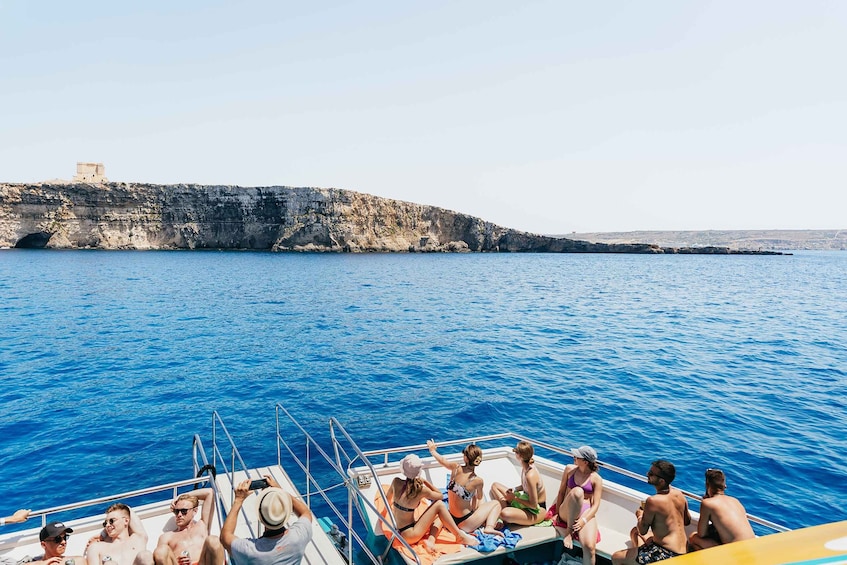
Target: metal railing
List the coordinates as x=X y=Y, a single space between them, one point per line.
x=230 y=462
x=355 y=501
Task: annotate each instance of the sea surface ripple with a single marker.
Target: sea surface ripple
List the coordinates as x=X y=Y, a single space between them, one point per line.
x=111 y=361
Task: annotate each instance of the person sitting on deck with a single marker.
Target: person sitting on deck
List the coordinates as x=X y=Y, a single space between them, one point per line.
x=19 y=516
x=666 y=513
x=126 y=543
x=405 y=495
x=578 y=500
x=190 y=540
x=465 y=491
x=54 y=539
x=522 y=504
x=723 y=518
x=278 y=545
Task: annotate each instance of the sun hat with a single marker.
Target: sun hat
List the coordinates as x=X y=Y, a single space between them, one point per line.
x=585 y=452
x=52 y=530
x=411 y=465
x=274 y=507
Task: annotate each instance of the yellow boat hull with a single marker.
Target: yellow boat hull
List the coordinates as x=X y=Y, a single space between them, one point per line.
x=817 y=545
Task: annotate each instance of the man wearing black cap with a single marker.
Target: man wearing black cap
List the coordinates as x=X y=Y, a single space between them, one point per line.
x=54 y=540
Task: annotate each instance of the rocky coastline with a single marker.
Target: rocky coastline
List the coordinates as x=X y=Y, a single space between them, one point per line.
x=143 y=216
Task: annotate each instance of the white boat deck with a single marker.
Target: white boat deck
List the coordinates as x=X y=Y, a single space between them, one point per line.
x=616 y=515
x=320 y=551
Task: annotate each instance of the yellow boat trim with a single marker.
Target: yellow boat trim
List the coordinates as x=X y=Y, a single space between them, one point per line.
x=816 y=545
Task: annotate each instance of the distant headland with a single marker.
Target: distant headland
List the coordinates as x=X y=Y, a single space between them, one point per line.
x=89 y=212
x=774 y=240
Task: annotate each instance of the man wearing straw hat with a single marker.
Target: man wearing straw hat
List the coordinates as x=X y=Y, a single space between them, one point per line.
x=279 y=544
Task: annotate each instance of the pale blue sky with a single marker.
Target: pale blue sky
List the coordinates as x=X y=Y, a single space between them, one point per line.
x=549 y=117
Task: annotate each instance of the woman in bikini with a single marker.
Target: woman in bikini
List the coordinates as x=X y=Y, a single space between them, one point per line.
x=522 y=505
x=464 y=492
x=578 y=501
x=406 y=494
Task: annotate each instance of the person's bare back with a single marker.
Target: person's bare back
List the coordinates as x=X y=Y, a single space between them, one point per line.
x=729 y=517
x=668 y=511
x=723 y=518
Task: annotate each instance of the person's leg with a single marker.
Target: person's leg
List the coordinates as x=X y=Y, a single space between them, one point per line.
x=570 y=510
x=625 y=556
x=144 y=557
x=437 y=510
x=519 y=516
x=699 y=543
x=485 y=516
x=498 y=493
x=163 y=555
x=212 y=552
x=588 y=541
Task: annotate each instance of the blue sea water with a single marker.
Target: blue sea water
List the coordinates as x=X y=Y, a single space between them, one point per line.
x=111 y=361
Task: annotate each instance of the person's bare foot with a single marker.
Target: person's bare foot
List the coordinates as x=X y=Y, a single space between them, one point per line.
x=568 y=541
x=492 y=531
x=469 y=540
x=430 y=544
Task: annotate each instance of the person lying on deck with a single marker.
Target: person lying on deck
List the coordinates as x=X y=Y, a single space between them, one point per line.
x=54 y=539
x=190 y=543
x=465 y=492
x=126 y=542
x=522 y=504
x=723 y=518
x=406 y=494
x=579 y=499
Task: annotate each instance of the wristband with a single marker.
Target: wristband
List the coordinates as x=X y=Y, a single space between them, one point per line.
x=2 y=521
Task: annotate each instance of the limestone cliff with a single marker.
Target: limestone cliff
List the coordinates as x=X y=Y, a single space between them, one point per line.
x=277 y=218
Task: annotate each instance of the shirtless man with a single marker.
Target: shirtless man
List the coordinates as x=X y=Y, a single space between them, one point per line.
x=127 y=543
x=54 y=540
x=191 y=536
x=727 y=515
x=666 y=513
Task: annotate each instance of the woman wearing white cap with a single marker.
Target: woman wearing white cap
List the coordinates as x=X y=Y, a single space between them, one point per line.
x=406 y=494
x=578 y=500
x=281 y=543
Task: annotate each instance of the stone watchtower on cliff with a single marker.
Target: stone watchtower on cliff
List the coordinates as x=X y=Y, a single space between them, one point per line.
x=90 y=172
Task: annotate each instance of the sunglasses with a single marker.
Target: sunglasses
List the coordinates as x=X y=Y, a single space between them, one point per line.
x=110 y=521
x=60 y=538
x=183 y=511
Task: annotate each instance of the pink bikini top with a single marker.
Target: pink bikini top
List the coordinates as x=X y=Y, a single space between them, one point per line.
x=587 y=487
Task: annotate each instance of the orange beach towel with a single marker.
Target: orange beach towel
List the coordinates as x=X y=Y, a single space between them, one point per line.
x=445 y=542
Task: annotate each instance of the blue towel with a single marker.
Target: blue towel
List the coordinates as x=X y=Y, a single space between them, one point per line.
x=489 y=542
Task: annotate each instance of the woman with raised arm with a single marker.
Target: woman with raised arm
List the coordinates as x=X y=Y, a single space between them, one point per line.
x=522 y=504
x=405 y=495
x=465 y=492
x=578 y=501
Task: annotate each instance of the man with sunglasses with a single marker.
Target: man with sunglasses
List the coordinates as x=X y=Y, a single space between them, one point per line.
x=666 y=514
x=191 y=535
x=54 y=539
x=126 y=542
